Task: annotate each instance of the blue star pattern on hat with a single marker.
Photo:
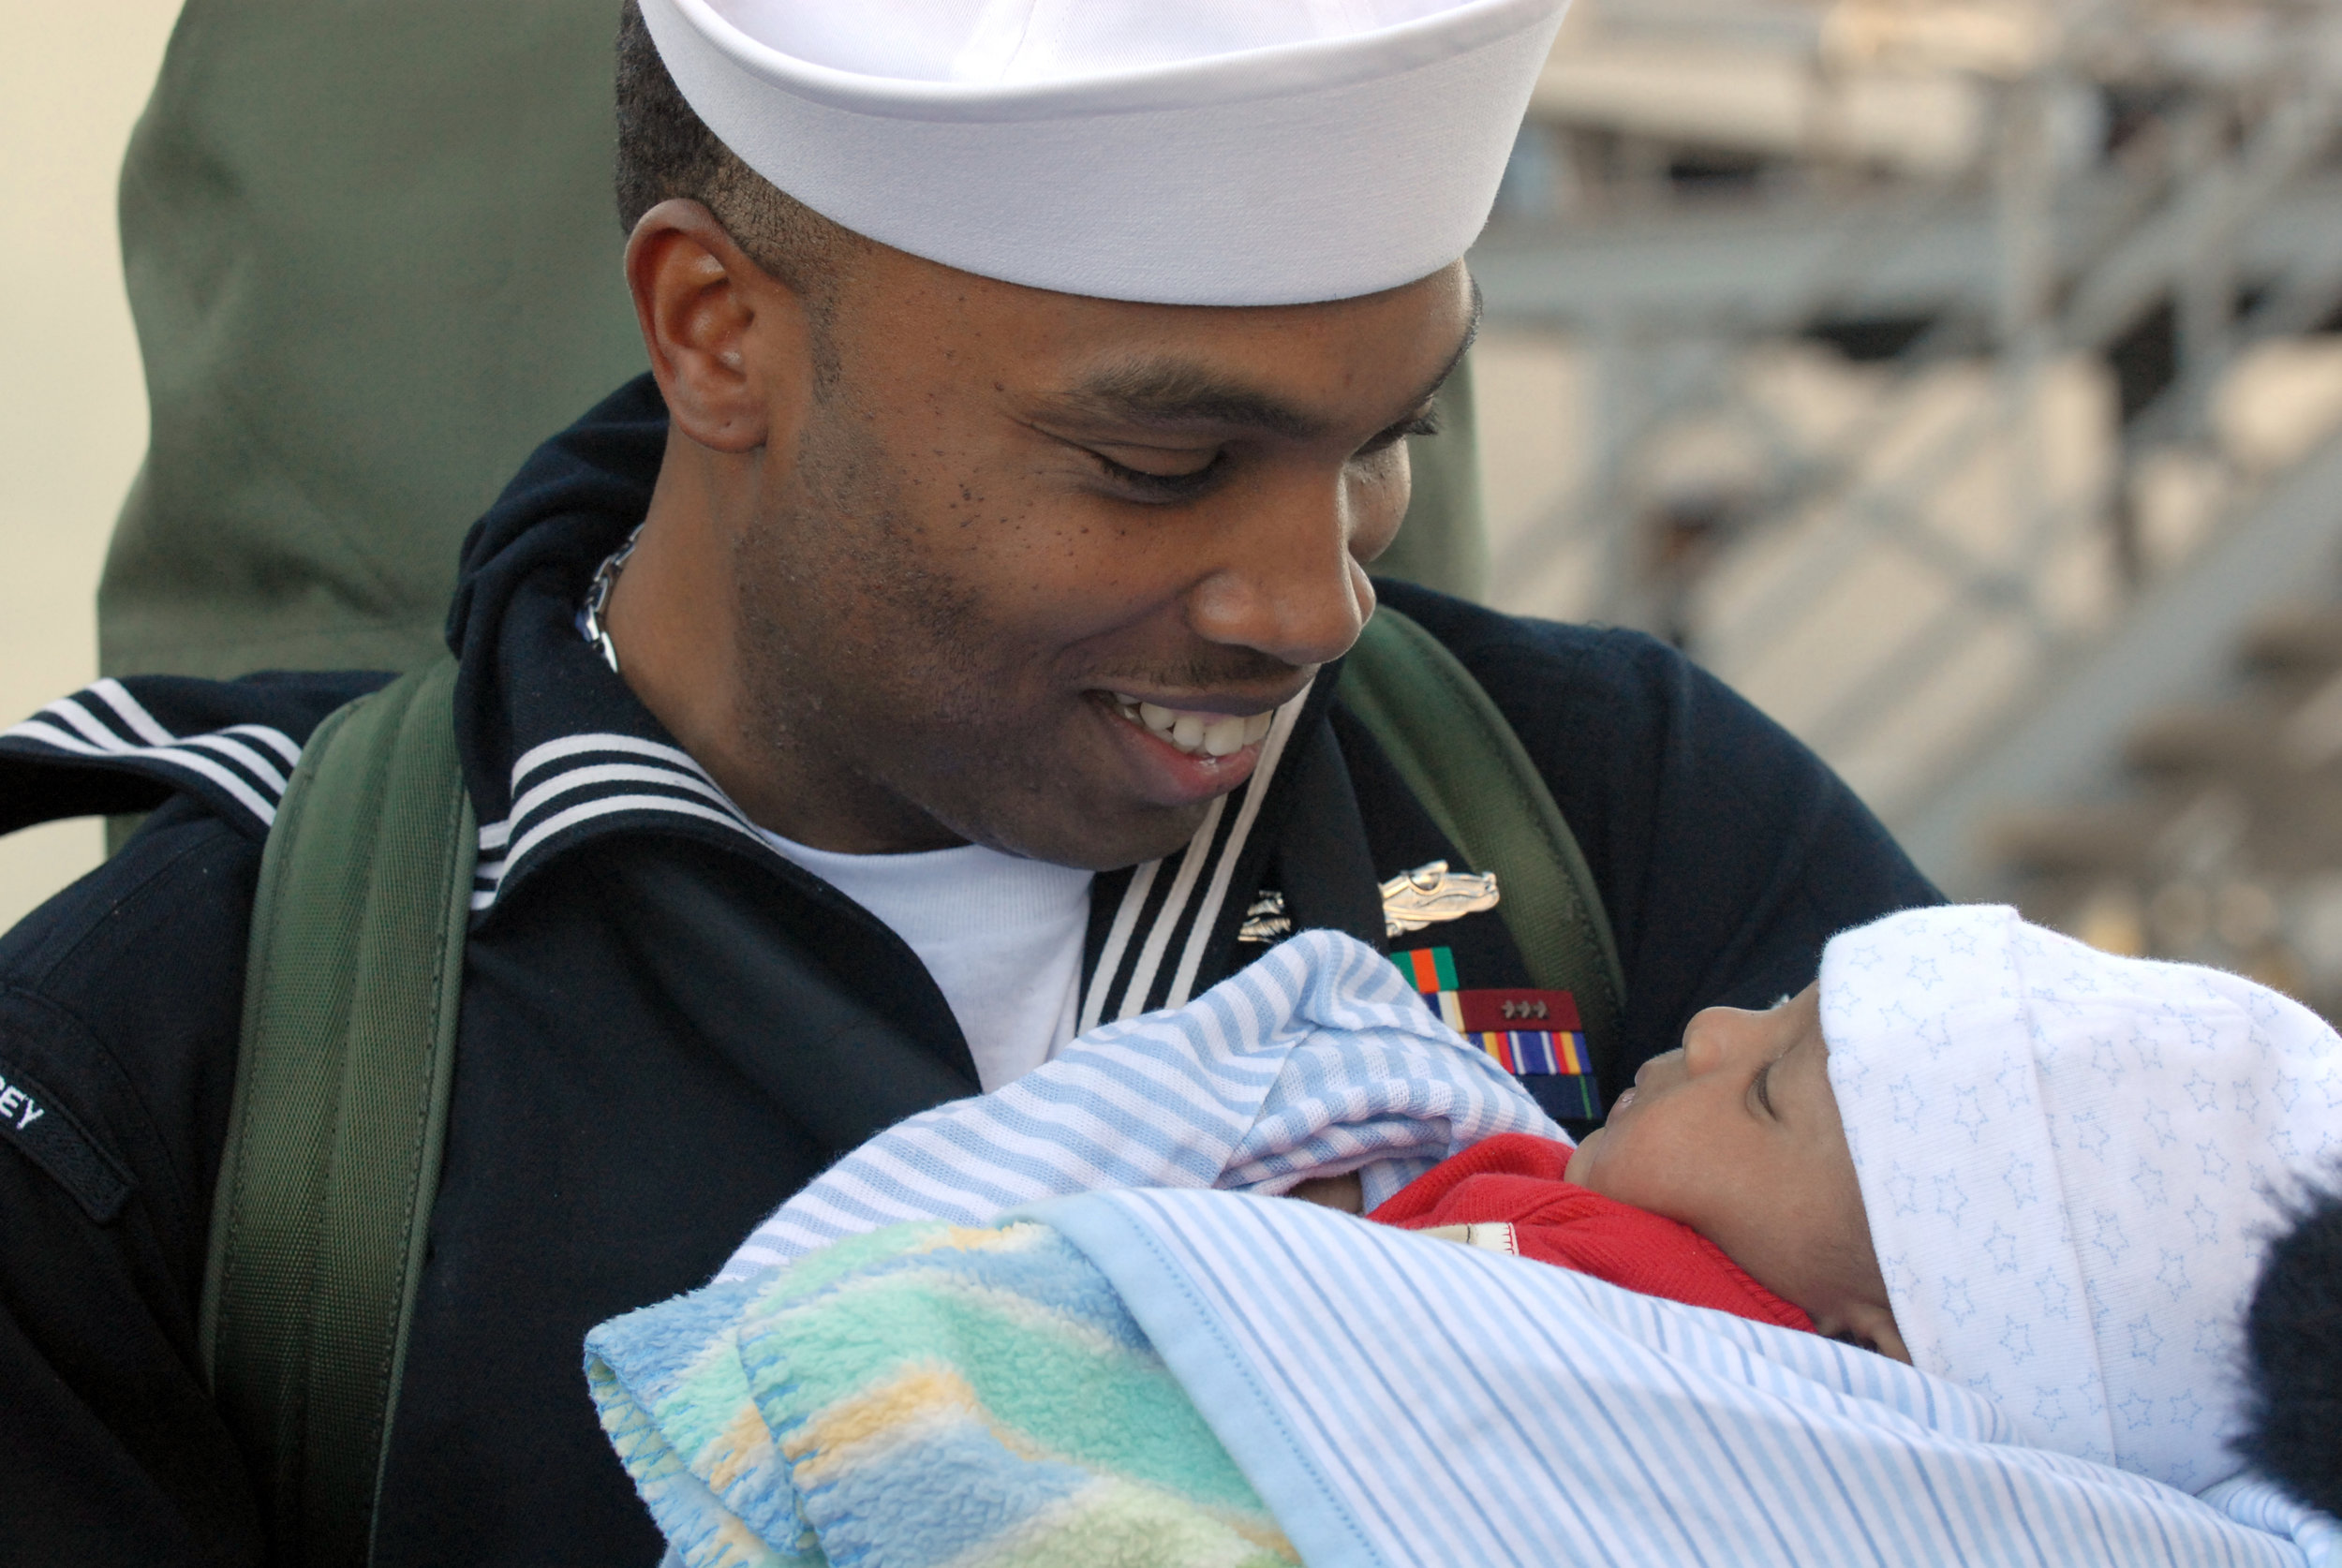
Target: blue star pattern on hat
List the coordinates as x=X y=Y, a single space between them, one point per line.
x=2069 y=1162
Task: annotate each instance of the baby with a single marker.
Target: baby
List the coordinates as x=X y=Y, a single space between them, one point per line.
x=2018 y=1163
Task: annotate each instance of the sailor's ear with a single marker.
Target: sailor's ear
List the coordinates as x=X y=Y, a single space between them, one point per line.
x=729 y=344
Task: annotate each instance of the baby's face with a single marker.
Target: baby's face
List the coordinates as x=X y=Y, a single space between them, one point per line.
x=1737 y=1135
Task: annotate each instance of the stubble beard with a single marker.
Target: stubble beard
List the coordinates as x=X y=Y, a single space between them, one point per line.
x=873 y=675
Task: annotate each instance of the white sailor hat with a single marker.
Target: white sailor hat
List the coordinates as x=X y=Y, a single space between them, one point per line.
x=1184 y=151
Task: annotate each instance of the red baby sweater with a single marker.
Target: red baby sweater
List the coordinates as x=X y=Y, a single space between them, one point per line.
x=1515 y=1179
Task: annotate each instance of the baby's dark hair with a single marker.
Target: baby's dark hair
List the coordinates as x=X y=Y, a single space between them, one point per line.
x=2294 y=1356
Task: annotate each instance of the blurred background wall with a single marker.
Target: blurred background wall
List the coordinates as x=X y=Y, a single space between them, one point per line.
x=1958 y=378
x=72 y=398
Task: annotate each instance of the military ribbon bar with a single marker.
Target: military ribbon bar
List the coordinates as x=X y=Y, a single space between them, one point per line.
x=1531 y=1034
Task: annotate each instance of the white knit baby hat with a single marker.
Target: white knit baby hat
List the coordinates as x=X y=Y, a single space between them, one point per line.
x=1185 y=151
x=2068 y=1160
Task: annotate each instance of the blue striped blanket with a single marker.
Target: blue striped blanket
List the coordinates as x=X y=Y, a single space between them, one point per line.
x=1315 y=1061
x=915 y=1397
x=1400 y=1401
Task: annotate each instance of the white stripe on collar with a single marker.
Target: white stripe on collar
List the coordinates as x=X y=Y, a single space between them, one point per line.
x=679 y=788
x=1118 y=942
x=115 y=724
x=1216 y=894
x=584 y=811
x=1198 y=892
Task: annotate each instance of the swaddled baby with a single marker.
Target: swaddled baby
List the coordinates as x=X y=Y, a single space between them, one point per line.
x=2039 y=1172
x=2016 y=1162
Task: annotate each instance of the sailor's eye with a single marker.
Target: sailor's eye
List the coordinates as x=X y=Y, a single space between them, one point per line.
x=1426 y=424
x=1162 y=487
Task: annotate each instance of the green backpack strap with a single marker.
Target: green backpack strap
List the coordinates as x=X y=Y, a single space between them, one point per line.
x=351 y=993
x=1464 y=763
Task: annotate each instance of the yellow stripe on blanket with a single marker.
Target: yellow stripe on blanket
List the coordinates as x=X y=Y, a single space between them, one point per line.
x=941 y=1394
x=1110 y=1520
x=746 y=1443
x=907 y=1407
x=1114 y=1521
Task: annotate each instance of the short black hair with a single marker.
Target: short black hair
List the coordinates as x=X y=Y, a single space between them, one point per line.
x=666 y=151
x=2294 y=1356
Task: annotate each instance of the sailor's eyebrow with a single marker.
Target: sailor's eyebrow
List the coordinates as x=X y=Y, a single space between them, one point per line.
x=1167 y=390
x=1171 y=391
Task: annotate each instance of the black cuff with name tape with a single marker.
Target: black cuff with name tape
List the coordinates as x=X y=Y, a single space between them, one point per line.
x=31 y=1119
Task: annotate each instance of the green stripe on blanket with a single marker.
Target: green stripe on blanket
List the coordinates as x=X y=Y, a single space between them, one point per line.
x=925 y=1396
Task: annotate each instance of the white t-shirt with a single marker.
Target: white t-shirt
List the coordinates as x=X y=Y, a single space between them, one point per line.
x=1001 y=934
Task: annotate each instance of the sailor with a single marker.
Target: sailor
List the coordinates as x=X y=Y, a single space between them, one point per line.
x=936 y=654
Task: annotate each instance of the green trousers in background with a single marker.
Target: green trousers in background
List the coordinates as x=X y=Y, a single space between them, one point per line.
x=373 y=260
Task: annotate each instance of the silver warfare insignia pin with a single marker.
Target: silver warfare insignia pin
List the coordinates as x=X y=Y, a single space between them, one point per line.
x=1265 y=921
x=1430 y=894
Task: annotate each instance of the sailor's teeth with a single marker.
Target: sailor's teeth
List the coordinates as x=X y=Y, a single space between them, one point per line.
x=1211 y=735
x=1222 y=736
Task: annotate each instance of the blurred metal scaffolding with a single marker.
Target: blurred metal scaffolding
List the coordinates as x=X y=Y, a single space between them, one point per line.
x=2114 y=197
x=2049 y=253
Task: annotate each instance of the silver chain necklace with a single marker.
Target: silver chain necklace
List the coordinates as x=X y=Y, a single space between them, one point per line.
x=598 y=598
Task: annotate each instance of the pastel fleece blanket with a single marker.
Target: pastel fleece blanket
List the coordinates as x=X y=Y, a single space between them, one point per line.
x=929 y=1393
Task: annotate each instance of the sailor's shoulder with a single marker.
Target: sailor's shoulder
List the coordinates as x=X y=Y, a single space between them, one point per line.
x=127 y=745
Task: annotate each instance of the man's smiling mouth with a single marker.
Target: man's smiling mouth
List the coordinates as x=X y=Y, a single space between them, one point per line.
x=1198 y=734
